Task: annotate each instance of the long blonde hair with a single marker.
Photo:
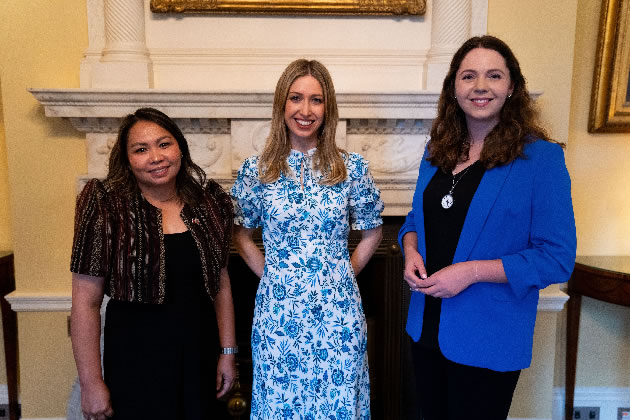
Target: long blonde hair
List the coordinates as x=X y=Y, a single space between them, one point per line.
x=327 y=158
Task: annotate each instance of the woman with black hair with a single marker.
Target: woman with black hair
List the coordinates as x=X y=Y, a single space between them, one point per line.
x=155 y=237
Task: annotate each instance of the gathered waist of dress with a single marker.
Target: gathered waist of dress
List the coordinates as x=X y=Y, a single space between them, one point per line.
x=330 y=249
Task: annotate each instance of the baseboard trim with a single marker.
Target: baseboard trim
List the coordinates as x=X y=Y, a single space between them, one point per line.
x=4 y=394
x=532 y=418
x=550 y=301
x=43 y=418
x=608 y=399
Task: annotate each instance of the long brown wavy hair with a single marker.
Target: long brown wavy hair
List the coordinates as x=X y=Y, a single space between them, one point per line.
x=327 y=157
x=190 y=178
x=518 y=121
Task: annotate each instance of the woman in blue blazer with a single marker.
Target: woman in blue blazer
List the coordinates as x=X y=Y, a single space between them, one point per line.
x=491 y=224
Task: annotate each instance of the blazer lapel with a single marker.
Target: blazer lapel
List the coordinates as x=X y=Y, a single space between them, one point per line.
x=489 y=188
x=427 y=173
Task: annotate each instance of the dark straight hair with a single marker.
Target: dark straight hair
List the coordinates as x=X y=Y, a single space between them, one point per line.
x=190 y=178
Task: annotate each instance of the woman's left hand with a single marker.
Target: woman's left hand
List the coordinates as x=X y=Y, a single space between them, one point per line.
x=449 y=281
x=226 y=374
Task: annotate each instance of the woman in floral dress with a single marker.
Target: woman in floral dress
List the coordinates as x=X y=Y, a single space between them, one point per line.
x=309 y=336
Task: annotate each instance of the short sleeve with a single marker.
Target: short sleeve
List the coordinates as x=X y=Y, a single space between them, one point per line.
x=365 y=201
x=246 y=195
x=90 y=251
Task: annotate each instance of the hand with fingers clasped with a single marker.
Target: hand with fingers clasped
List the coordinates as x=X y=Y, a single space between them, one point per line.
x=449 y=281
x=415 y=274
x=95 y=402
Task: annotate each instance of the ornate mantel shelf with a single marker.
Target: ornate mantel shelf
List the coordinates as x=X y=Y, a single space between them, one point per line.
x=90 y=103
x=223 y=128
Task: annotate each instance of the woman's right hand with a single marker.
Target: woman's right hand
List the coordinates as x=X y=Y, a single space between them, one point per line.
x=95 y=402
x=414 y=273
x=85 y=329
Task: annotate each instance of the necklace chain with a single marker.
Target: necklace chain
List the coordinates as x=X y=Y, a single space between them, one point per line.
x=448 y=200
x=458 y=179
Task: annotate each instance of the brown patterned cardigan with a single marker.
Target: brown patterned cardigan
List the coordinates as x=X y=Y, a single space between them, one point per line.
x=119 y=237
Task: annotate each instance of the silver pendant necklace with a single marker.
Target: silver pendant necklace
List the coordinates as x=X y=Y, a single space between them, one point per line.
x=448 y=200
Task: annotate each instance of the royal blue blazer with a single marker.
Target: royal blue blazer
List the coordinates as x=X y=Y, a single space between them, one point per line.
x=521 y=213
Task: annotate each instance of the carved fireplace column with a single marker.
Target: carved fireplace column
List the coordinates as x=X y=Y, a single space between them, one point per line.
x=125 y=60
x=450 y=27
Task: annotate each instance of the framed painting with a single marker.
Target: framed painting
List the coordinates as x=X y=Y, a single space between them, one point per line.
x=292 y=7
x=610 y=97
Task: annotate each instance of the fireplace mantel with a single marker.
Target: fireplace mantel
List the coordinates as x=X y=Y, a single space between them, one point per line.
x=93 y=103
x=223 y=128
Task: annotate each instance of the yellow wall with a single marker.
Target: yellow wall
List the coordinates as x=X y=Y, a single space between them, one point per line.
x=5 y=219
x=5 y=228
x=599 y=163
x=541 y=33
x=44 y=155
x=41 y=45
x=600 y=168
x=556 y=45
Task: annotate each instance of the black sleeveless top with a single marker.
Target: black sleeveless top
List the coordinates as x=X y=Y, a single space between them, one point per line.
x=442 y=228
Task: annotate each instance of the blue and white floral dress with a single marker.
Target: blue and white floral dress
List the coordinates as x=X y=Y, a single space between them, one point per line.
x=309 y=336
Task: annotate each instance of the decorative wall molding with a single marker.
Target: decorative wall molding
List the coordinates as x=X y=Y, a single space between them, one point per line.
x=4 y=394
x=35 y=302
x=407 y=126
x=550 y=301
x=43 y=418
x=608 y=399
x=358 y=70
x=95 y=103
x=266 y=57
x=479 y=17
x=129 y=46
x=532 y=418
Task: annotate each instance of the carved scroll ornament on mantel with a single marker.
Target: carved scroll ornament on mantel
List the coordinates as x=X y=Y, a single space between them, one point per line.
x=292 y=7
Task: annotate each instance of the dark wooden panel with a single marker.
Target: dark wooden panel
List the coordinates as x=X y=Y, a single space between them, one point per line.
x=9 y=327
x=605 y=278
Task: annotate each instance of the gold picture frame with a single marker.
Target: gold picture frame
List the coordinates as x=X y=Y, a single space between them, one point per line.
x=292 y=7
x=610 y=96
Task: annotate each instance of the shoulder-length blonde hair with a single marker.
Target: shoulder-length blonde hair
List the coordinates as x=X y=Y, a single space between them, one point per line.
x=518 y=121
x=327 y=158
